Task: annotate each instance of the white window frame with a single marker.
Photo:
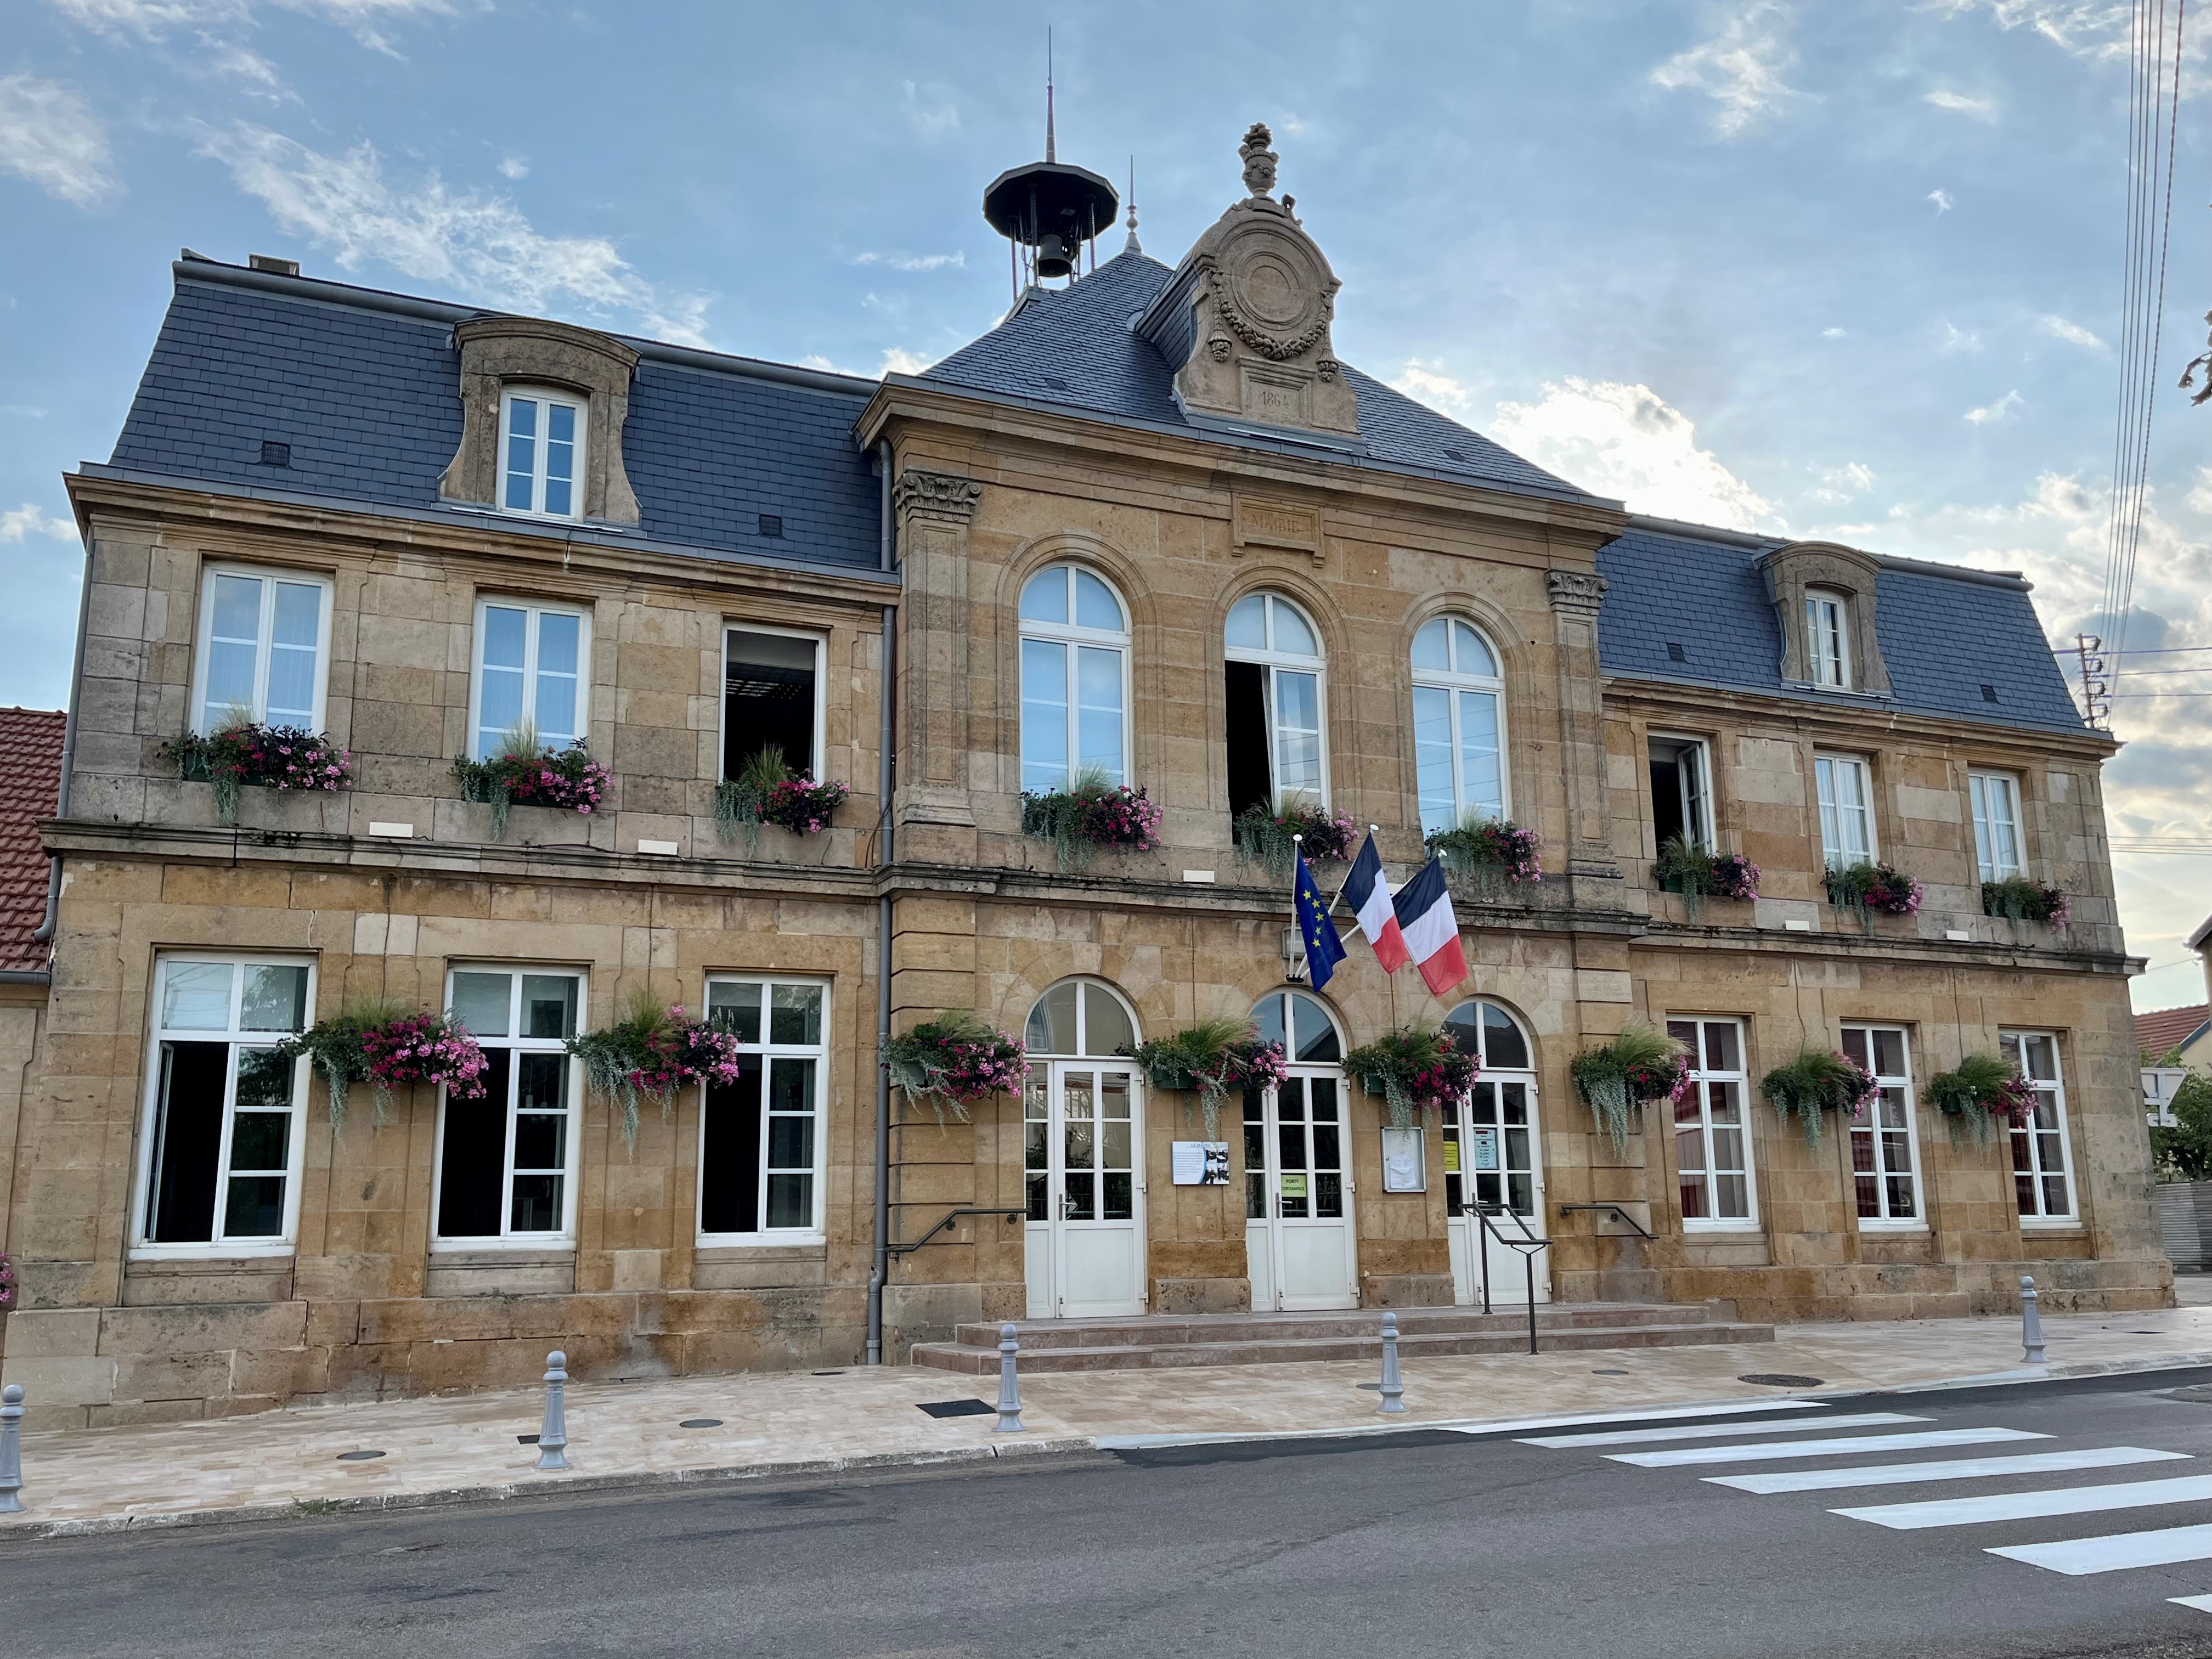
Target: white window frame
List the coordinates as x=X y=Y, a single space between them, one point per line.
x=1272 y=660
x=817 y=759
x=507 y=1238
x=1452 y=682
x=142 y=1248
x=264 y=645
x=1700 y=1075
x=1985 y=791
x=534 y=610
x=1825 y=769
x=544 y=397
x=815 y=1231
x=1872 y=1131
x=1828 y=638
x=2013 y=1044
x=1073 y=636
x=1705 y=840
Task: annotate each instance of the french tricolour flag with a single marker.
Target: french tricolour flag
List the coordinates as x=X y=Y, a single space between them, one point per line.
x=1431 y=931
x=1364 y=890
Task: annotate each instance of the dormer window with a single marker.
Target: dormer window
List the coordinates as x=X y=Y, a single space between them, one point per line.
x=541 y=452
x=1828 y=638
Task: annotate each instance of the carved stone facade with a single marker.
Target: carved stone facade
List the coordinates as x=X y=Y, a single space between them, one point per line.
x=1853 y=576
x=499 y=352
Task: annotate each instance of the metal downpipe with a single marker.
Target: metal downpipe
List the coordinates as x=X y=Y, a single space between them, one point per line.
x=44 y=932
x=887 y=777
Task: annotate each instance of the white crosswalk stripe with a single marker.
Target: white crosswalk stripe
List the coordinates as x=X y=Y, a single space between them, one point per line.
x=2030 y=1505
x=1961 y=1468
x=2202 y=1603
x=2113 y=1552
x=1763 y=1450
x=1720 y=1430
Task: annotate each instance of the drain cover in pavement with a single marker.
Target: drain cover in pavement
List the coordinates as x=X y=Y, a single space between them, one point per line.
x=837 y=1373
x=1608 y=1373
x=1780 y=1380
x=527 y=1439
x=700 y=1423
x=956 y=1408
x=358 y=1457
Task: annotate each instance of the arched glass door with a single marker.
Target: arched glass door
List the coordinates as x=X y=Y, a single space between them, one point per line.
x=1493 y=1155
x=1082 y=1150
x=1298 y=1239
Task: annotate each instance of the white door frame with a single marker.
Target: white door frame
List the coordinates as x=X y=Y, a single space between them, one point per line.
x=1474 y=1254
x=1267 y=1234
x=1053 y=1239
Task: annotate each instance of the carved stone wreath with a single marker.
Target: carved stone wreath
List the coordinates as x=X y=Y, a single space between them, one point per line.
x=1268 y=341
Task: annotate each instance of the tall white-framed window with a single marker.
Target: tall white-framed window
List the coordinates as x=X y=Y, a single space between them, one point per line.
x=218 y=1162
x=2042 y=1161
x=506 y=1161
x=1681 y=793
x=1278 y=700
x=1994 y=797
x=263 y=647
x=761 y=1140
x=1845 y=785
x=529 y=667
x=773 y=687
x=541 y=452
x=1885 y=1161
x=1828 y=638
x=1075 y=679
x=1712 y=1135
x=1459 y=723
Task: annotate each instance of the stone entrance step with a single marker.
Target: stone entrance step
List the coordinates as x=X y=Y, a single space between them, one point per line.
x=1098 y=1345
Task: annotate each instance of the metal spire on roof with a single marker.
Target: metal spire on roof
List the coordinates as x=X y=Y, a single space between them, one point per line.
x=1132 y=246
x=1050 y=154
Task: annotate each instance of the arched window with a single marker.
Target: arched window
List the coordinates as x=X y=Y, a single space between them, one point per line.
x=1276 y=683
x=1076 y=1018
x=1301 y=1024
x=1494 y=1036
x=1828 y=638
x=1458 y=725
x=1075 y=679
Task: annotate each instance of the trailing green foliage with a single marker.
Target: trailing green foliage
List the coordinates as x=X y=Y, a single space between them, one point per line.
x=1819 y=1080
x=1211 y=1057
x=1618 y=1080
x=1414 y=1065
x=1982 y=1092
x=1092 y=811
x=953 y=1061
x=1269 y=838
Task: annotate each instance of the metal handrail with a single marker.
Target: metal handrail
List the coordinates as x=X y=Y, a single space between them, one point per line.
x=1528 y=1244
x=1618 y=1211
x=949 y=1218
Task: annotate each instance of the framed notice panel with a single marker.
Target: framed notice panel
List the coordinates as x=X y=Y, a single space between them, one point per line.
x=1200 y=1162
x=1404 y=1165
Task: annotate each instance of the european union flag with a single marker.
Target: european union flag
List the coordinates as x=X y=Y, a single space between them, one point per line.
x=1324 y=950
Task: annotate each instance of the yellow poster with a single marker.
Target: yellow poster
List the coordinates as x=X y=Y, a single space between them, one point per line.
x=1294 y=1185
x=1451 y=1157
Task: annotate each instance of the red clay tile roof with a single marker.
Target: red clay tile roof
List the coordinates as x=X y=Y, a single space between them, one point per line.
x=2156 y=1033
x=30 y=779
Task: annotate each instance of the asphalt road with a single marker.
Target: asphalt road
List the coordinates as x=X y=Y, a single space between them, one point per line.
x=1425 y=1543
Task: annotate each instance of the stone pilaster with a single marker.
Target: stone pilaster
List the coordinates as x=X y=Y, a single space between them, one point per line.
x=1575 y=597
x=935 y=818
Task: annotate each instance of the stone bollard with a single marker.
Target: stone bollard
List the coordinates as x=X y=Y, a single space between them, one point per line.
x=2030 y=1326
x=11 y=1448
x=1010 y=1385
x=1394 y=1391
x=553 y=1438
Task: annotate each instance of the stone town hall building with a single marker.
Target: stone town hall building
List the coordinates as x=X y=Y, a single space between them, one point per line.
x=1147 y=523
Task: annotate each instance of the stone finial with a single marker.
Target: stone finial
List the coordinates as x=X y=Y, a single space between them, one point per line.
x=1259 y=160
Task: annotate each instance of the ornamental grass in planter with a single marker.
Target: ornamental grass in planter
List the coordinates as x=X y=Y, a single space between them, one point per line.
x=652 y=1051
x=1414 y=1065
x=952 y=1062
x=527 y=773
x=2018 y=899
x=1492 y=849
x=1697 y=874
x=1093 y=812
x=1616 y=1080
x=1978 y=1095
x=768 y=791
x=1864 y=888
x=241 y=752
x=1819 y=1080
x=1267 y=838
x=1212 y=1057
x=384 y=1044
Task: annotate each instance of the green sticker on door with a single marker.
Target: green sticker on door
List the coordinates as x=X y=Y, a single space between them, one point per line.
x=1294 y=1185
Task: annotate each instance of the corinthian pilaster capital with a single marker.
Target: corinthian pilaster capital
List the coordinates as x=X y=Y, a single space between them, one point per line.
x=1575 y=593
x=940 y=495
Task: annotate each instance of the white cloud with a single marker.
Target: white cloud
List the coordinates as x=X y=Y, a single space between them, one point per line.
x=1981 y=109
x=1834 y=334
x=914 y=261
x=930 y=110
x=366 y=20
x=1426 y=382
x=28 y=520
x=1990 y=414
x=1627 y=442
x=50 y=136
x=897 y=360
x=514 y=166
x=479 y=243
x=1740 y=69
x=2200 y=493
x=2073 y=333
x=23 y=411
x=1942 y=200
x=2095 y=31
x=1956 y=339
x=1838 y=484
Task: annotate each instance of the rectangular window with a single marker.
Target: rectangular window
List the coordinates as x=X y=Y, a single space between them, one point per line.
x=529 y=673
x=506 y=1162
x=1828 y=641
x=1996 y=799
x=1846 y=811
x=761 y=1144
x=261 y=649
x=1885 y=1171
x=1681 y=793
x=1712 y=1135
x=772 y=686
x=541 y=453
x=2042 y=1165
x=222 y=1161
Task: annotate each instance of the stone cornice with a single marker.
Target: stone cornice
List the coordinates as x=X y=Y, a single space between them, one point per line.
x=1867 y=721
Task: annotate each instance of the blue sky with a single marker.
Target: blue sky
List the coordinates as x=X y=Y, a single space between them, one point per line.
x=1848 y=270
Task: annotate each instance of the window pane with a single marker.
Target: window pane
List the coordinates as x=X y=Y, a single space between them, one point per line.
x=790 y=1086
x=1432 y=646
x=1432 y=757
x=229 y=684
x=795 y=1014
x=187 y=1134
x=1052 y=1022
x=791 y=1200
x=480 y=1002
x=543 y=1086
x=1105 y=1023
x=505 y=636
x=560 y=456
x=1099 y=689
x=1297 y=733
x=791 y=1140
x=255 y=1208
x=1316 y=1036
x=237 y=610
x=549 y=1005
x=1722 y=1053
x=1889 y=1052
x=1095 y=604
x=1504 y=1047
x=1248 y=623
x=539 y=1137
x=1479 y=779
x=1471 y=654
x=1044 y=597
x=195 y=996
x=736 y=1008
x=274 y=999
x=259 y=1140
x=521 y=453
x=537 y=1204
x=265 y=1081
x=1044 y=715
x=293 y=656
